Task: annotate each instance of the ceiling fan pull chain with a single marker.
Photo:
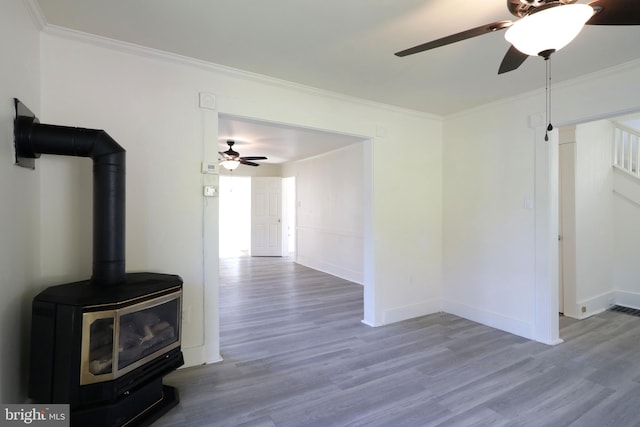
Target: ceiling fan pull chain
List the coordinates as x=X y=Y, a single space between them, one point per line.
x=548 y=98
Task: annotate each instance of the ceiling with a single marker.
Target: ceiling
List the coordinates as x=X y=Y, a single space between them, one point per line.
x=347 y=46
x=279 y=142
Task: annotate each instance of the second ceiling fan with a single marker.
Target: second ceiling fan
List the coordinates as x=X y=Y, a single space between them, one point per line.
x=231 y=159
x=544 y=27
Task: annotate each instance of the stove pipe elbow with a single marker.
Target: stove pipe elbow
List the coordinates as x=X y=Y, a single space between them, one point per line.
x=33 y=139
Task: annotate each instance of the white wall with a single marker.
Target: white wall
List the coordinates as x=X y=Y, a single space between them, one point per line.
x=594 y=217
x=151 y=109
x=407 y=216
x=626 y=211
x=19 y=192
x=488 y=228
x=498 y=255
x=587 y=234
x=330 y=212
x=148 y=102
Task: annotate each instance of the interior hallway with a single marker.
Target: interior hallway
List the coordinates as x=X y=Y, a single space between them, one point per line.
x=296 y=354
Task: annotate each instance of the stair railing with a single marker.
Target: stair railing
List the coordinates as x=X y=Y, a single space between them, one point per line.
x=627 y=150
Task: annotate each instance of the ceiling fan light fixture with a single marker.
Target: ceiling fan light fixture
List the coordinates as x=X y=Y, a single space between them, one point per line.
x=230 y=164
x=549 y=29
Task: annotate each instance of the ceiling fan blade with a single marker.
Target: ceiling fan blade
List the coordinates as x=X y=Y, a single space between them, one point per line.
x=512 y=60
x=253 y=158
x=248 y=163
x=474 y=32
x=615 y=12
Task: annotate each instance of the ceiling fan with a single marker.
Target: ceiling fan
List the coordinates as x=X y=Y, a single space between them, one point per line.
x=231 y=159
x=543 y=27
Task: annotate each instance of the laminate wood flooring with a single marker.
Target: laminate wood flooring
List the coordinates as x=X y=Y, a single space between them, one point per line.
x=296 y=354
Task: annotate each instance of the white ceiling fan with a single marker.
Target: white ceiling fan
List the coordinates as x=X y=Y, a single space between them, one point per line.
x=543 y=27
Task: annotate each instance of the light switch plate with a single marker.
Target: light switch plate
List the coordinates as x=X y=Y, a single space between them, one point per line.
x=210 y=191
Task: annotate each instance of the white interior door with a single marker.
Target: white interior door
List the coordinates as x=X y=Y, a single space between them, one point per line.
x=266 y=216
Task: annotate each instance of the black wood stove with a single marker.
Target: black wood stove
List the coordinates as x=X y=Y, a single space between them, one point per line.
x=101 y=345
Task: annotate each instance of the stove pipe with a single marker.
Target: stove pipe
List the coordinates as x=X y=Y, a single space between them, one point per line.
x=33 y=139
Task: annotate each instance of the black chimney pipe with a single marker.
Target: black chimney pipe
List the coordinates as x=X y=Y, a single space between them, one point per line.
x=33 y=139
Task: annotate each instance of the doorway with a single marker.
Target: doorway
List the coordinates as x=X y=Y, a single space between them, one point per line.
x=235 y=215
x=566 y=221
x=596 y=217
x=286 y=147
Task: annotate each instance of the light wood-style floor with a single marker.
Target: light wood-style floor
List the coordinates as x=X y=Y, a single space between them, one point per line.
x=296 y=354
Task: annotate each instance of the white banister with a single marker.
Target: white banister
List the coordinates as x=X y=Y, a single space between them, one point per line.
x=626 y=150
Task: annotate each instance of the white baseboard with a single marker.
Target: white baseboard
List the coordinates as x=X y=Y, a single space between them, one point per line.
x=494 y=320
x=195 y=356
x=595 y=305
x=552 y=342
x=369 y=323
x=627 y=299
x=411 y=311
x=334 y=270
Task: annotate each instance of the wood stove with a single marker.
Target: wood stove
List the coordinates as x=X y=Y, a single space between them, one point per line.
x=101 y=345
x=104 y=350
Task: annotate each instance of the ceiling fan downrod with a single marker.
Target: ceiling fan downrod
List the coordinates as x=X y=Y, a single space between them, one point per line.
x=547 y=57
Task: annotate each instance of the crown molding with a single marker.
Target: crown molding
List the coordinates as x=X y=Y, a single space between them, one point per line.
x=143 y=51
